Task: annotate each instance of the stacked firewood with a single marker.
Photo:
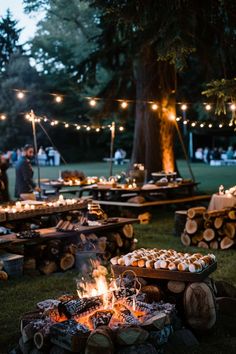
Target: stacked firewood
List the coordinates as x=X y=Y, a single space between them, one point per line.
x=57 y=255
x=210 y=229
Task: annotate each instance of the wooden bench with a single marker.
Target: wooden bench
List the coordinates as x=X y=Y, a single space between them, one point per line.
x=154 y=203
x=108 y=159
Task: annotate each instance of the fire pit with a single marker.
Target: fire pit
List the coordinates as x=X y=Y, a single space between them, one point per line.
x=104 y=316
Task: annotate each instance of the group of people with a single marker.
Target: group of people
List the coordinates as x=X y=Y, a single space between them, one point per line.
x=119 y=156
x=217 y=153
x=24 y=175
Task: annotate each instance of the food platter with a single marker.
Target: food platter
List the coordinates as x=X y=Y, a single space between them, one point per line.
x=166 y=274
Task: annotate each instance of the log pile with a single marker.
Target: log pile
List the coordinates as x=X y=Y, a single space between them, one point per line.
x=210 y=229
x=57 y=255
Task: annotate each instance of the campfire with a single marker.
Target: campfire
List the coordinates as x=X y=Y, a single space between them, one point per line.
x=104 y=312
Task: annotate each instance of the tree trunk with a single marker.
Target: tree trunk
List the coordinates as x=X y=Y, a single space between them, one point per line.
x=154 y=130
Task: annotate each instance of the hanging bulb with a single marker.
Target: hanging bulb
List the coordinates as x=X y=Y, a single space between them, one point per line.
x=66 y=125
x=88 y=128
x=208 y=107
x=20 y=95
x=233 y=107
x=154 y=106
x=184 y=107
x=58 y=99
x=78 y=127
x=92 y=102
x=220 y=125
x=185 y=122
x=97 y=130
x=178 y=119
x=201 y=125
x=121 y=129
x=193 y=124
x=124 y=104
x=210 y=125
x=3 y=117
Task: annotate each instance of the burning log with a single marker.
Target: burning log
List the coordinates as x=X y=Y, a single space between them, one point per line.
x=100 y=341
x=125 y=314
x=30 y=317
x=69 y=335
x=128 y=335
x=78 y=306
x=101 y=318
x=158 y=321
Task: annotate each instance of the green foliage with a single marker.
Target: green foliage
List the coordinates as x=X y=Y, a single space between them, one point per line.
x=9 y=36
x=224 y=91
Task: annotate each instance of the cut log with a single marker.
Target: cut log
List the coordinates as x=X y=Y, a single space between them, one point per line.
x=100 y=341
x=152 y=293
x=218 y=222
x=229 y=229
x=193 y=225
x=41 y=339
x=128 y=230
x=28 y=332
x=193 y=212
x=29 y=317
x=199 y=306
x=176 y=287
x=196 y=238
x=180 y=221
x=158 y=320
x=232 y=214
x=207 y=224
x=128 y=335
x=215 y=213
x=203 y=244
x=118 y=239
x=208 y=234
x=48 y=267
x=226 y=243
x=185 y=239
x=214 y=245
x=144 y=218
x=67 y=261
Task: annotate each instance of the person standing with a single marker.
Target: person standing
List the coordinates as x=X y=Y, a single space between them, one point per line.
x=4 y=193
x=24 y=173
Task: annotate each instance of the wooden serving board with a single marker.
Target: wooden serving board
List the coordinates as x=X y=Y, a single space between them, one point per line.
x=166 y=274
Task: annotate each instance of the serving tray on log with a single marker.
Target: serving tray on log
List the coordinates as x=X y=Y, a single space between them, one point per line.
x=166 y=274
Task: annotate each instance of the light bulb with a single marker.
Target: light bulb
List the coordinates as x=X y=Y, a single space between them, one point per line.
x=66 y=125
x=20 y=95
x=193 y=124
x=58 y=99
x=233 y=107
x=3 y=117
x=154 y=106
x=124 y=104
x=184 y=107
x=92 y=102
x=78 y=127
x=208 y=107
x=88 y=128
x=210 y=125
x=121 y=129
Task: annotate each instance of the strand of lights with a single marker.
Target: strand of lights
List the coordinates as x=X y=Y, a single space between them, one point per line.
x=3 y=116
x=124 y=103
x=66 y=125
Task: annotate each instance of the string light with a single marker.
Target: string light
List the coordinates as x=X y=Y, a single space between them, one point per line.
x=92 y=102
x=58 y=99
x=45 y=119
x=52 y=123
x=210 y=125
x=193 y=124
x=172 y=117
x=230 y=124
x=154 y=106
x=97 y=130
x=201 y=125
x=55 y=122
x=3 y=117
x=220 y=125
x=78 y=127
x=88 y=128
x=28 y=116
x=66 y=125
x=208 y=107
x=178 y=119
x=233 y=107
x=184 y=107
x=20 y=95
x=185 y=122
x=124 y=104
x=121 y=129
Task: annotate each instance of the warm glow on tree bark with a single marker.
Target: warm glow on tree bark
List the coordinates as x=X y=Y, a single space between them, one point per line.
x=167 y=127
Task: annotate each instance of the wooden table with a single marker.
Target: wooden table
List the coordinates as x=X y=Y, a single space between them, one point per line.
x=99 y=192
x=52 y=233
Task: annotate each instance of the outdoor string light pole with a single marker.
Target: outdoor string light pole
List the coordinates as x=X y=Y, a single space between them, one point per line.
x=32 y=118
x=113 y=129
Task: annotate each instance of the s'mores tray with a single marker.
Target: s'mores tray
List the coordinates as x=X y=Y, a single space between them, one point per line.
x=165 y=264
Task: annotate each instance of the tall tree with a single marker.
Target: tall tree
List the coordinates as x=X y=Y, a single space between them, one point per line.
x=9 y=36
x=145 y=47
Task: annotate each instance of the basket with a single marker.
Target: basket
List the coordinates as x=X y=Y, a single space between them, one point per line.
x=12 y=264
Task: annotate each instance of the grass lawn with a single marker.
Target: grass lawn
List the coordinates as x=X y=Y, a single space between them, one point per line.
x=20 y=295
